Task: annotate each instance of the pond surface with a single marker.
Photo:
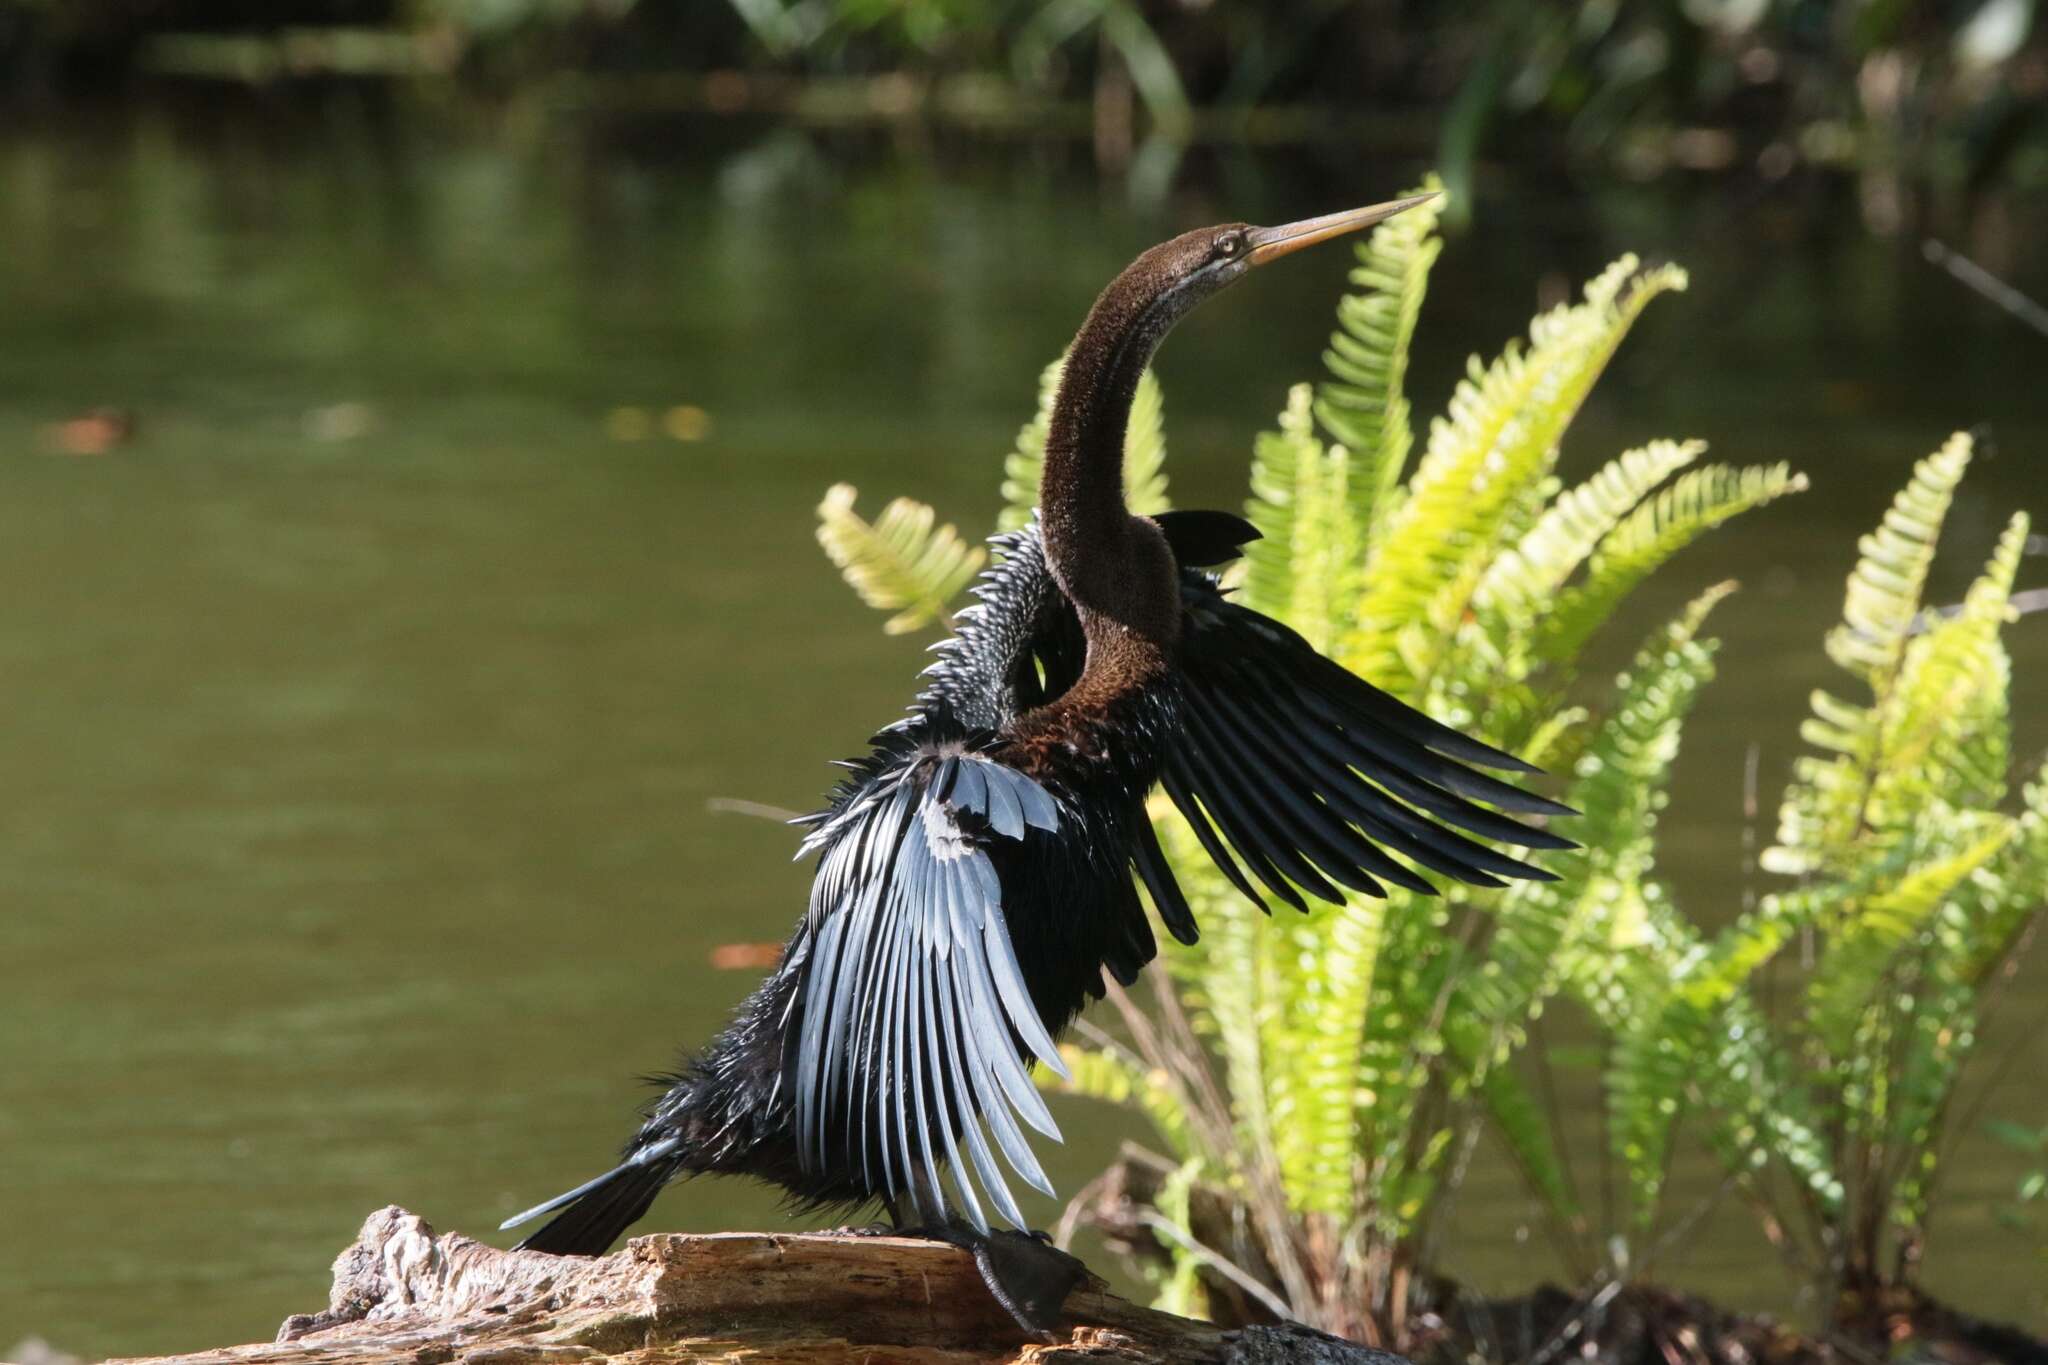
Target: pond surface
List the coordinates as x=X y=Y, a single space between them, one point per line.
x=364 y=710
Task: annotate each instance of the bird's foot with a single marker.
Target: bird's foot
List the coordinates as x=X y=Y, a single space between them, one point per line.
x=1024 y=1272
x=862 y=1230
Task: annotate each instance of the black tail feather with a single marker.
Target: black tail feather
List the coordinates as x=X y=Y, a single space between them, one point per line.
x=610 y=1205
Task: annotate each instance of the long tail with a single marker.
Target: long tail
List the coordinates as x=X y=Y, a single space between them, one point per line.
x=597 y=1211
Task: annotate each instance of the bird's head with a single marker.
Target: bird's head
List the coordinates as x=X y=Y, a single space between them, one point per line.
x=1120 y=571
x=1174 y=276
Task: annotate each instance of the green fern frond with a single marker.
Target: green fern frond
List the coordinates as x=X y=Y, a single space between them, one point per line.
x=1224 y=983
x=899 y=563
x=1619 y=932
x=1525 y=579
x=1517 y=1118
x=1939 y=1034
x=1850 y=976
x=1144 y=452
x=1180 y=1290
x=1710 y=1052
x=1487 y=466
x=1336 y=962
x=1884 y=590
x=1997 y=904
x=1546 y=934
x=1025 y=463
x=1972 y=933
x=1622 y=782
x=1304 y=568
x=1282 y=461
x=1828 y=800
x=1399 y=1051
x=1946 y=728
x=1362 y=405
x=1642 y=541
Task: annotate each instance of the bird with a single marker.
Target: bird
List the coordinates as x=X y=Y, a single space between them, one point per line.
x=976 y=872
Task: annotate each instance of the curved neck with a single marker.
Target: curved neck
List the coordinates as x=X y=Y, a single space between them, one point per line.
x=1115 y=569
x=1081 y=491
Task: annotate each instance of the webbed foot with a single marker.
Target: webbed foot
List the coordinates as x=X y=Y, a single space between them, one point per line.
x=1024 y=1272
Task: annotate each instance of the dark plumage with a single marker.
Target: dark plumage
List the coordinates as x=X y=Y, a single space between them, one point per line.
x=974 y=871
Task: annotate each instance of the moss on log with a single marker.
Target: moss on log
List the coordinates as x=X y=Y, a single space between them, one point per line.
x=409 y=1296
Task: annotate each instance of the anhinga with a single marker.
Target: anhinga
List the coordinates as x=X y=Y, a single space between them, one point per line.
x=974 y=872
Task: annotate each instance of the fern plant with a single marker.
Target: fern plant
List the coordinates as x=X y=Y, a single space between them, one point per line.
x=1315 y=1079
x=1913 y=888
x=1915 y=880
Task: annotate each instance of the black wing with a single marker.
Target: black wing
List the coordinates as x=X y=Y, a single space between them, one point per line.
x=1313 y=777
x=912 y=1003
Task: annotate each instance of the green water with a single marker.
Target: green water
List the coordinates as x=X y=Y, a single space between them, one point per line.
x=361 y=713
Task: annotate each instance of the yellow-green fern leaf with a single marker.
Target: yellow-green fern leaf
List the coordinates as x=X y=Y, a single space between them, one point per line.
x=902 y=562
x=1612 y=906
x=2008 y=894
x=1945 y=724
x=1229 y=993
x=1487 y=466
x=1681 y=1049
x=1334 y=959
x=1884 y=590
x=1283 y=461
x=1304 y=567
x=1639 y=543
x=1828 y=800
x=1524 y=580
x=1362 y=405
x=1850 y=976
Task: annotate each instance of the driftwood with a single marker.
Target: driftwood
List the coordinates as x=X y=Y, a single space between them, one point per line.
x=404 y=1294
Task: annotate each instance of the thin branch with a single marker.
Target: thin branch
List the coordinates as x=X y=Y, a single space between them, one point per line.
x=1173 y=1018
x=760 y=810
x=1976 y=278
x=1589 y=1314
x=1178 y=1068
x=1221 y=1264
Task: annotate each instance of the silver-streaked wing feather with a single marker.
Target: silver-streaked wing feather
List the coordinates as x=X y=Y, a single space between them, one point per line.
x=917 y=1028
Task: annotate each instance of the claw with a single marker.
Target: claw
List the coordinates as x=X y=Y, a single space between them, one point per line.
x=1023 y=1271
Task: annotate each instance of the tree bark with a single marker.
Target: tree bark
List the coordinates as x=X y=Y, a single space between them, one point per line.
x=405 y=1294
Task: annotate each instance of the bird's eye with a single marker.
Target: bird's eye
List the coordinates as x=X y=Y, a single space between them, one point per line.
x=1227 y=247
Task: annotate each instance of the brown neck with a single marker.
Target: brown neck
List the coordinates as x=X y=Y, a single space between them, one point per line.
x=1113 y=567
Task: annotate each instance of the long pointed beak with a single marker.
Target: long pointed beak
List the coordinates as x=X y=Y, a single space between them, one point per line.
x=1270 y=244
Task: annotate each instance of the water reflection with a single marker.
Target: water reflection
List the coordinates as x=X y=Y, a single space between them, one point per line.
x=366 y=699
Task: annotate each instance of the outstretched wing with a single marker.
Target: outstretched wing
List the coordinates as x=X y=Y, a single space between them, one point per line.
x=915 y=1019
x=1313 y=778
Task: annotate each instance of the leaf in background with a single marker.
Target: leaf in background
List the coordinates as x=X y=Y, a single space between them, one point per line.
x=1524 y=581
x=1304 y=567
x=899 y=563
x=1487 y=467
x=1659 y=528
x=1362 y=405
x=1946 y=729
x=1828 y=799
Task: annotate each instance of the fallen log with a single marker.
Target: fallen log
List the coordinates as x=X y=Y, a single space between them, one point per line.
x=406 y=1295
